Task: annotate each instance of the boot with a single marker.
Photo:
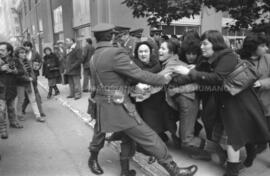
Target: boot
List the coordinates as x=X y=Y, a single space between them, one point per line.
x=125 y=168
x=50 y=93
x=251 y=155
x=232 y=169
x=93 y=164
x=174 y=170
x=218 y=155
x=56 y=90
x=4 y=134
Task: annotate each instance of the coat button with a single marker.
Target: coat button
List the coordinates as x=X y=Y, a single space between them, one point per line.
x=203 y=77
x=223 y=106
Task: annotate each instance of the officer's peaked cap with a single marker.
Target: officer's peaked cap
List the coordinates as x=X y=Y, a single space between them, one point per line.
x=103 y=27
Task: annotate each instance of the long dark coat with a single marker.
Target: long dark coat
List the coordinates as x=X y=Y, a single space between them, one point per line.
x=241 y=115
x=114 y=67
x=73 y=61
x=153 y=109
x=51 y=66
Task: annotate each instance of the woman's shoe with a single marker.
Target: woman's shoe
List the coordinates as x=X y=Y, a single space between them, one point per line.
x=40 y=119
x=15 y=125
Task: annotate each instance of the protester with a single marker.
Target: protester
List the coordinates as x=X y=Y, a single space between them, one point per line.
x=26 y=85
x=239 y=119
x=73 y=68
x=51 y=71
x=255 y=50
x=88 y=51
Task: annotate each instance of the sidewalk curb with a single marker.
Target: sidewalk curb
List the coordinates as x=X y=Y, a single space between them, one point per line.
x=139 y=159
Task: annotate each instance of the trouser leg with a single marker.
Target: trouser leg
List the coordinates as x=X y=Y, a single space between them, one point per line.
x=128 y=147
x=71 y=85
x=20 y=100
x=32 y=98
x=150 y=141
x=77 y=86
x=11 y=111
x=38 y=100
x=3 y=121
x=98 y=140
x=86 y=78
x=188 y=111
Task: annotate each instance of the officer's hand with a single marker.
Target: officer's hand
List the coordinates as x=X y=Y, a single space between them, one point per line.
x=30 y=79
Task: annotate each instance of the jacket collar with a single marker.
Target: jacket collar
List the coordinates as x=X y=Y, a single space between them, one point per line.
x=104 y=44
x=219 y=54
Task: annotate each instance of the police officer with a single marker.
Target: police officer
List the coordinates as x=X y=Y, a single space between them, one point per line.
x=110 y=68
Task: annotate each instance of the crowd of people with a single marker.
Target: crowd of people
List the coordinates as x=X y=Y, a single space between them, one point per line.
x=148 y=91
x=158 y=81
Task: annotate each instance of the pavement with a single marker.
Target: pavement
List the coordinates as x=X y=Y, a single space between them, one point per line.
x=261 y=166
x=58 y=147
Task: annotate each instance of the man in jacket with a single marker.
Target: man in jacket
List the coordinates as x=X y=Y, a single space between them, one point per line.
x=87 y=54
x=73 y=68
x=110 y=69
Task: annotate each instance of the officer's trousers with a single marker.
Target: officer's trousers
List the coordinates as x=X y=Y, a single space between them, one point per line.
x=98 y=140
x=148 y=139
x=141 y=134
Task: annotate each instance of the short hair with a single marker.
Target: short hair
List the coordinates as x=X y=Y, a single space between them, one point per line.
x=17 y=51
x=216 y=38
x=47 y=48
x=9 y=47
x=173 y=45
x=103 y=36
x=140 y=44
x=251 y=43
x=28 y=43
x=89 y=41
x=190 y=44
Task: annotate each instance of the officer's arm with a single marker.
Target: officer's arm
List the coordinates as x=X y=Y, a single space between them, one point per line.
x=125 y=66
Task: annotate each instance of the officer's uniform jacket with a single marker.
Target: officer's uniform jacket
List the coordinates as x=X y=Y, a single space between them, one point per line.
x=130 y=44
x=113 y=67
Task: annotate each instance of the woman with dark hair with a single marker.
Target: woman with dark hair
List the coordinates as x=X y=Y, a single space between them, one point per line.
x=147 y=103
x=255 y=50
x=51 y=70
x=239 y=119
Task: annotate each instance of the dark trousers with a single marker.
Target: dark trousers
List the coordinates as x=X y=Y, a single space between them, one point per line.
x=11 y=111
x=86 y=78
x=3 y=121
x=74 y=85
x=188 y=111
x=141 y=134
x=98 y=140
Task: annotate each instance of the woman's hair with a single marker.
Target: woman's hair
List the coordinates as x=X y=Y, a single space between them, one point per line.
x=190 y=44
x=251 y=43
x=18 y=50
x=216 y=38
x=47 y=48
x=173 y=45
x=138 y=46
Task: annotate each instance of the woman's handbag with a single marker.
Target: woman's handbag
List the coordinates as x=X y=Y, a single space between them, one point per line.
x=243 y=76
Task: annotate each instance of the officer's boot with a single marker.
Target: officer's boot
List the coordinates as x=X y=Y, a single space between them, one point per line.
x=56 y=90
x=174 y=170
x=50 y=92
x=232 y=169
x=94 y=165
x=125 y=168
x=251 y=155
